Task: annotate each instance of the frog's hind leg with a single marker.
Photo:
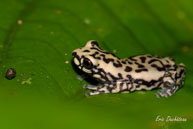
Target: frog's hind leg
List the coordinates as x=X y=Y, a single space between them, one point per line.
x=173 y=80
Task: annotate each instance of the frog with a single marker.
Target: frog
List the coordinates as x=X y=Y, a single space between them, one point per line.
x=135 y=73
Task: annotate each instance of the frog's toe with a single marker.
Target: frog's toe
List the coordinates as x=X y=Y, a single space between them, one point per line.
x=161 y=94
x=91 y=87
x=85 y=86
x=158 y=95
x=164 y=92
x=92 y=93
x=87 y=94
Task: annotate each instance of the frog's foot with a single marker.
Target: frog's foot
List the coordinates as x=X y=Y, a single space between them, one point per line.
x=173 y=80
x=166 y=91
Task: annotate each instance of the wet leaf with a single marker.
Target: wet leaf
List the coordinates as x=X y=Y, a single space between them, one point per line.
x=37 y=38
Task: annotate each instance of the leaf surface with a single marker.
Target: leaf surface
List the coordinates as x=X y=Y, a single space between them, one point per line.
x=38 y=37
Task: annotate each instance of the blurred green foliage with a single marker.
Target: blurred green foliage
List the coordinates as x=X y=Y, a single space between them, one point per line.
x=37 y=38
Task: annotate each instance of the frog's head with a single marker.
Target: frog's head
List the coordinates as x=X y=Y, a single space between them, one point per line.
x=85 y=58
x=95 y=61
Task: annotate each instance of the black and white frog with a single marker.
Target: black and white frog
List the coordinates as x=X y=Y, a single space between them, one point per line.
x=115 y=75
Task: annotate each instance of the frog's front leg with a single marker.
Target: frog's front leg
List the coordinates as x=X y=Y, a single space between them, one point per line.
x=172 y=81
x=96 y=89
x=112 y=87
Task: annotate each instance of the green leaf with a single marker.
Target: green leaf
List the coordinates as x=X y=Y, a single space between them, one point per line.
x=38 y=37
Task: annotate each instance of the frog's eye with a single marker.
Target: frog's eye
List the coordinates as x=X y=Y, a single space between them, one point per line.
x=94 y=43
x=87 y=63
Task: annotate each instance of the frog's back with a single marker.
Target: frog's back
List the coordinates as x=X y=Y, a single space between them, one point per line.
x=149 y=61
x=148 y=67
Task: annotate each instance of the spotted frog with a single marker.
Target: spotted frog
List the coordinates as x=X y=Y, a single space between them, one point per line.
x=141 y=72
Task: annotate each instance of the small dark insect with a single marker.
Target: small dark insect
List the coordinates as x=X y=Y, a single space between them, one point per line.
x=10 y=74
